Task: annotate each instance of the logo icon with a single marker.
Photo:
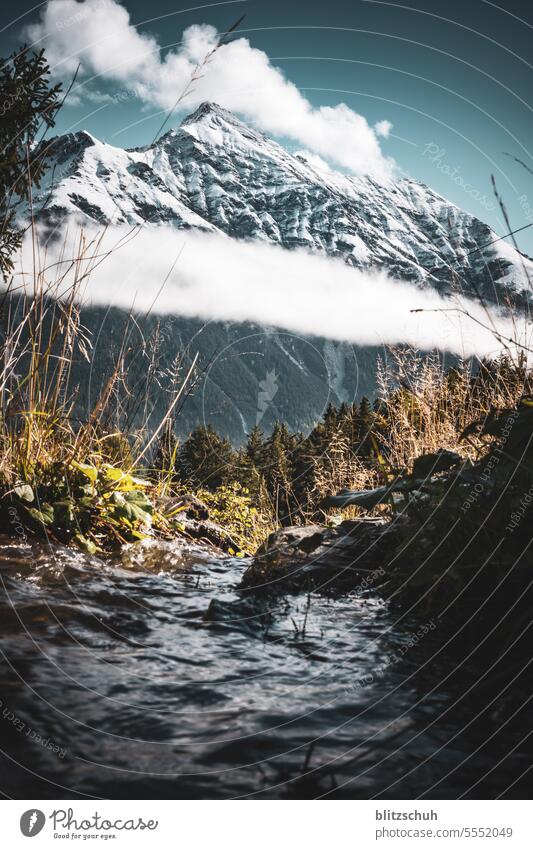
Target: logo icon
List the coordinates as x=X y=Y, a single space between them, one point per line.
x=32 y=822
x=268 y=389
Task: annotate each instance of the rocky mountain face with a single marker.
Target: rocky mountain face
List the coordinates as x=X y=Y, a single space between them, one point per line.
x=215 y=173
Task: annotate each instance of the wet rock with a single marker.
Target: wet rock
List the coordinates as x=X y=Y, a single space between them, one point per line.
x=332 y=560
x=305 y=538
x=192 y=506
x=247 y=615
x=190 y=516
x=439 y=461
x=209 y=533
x=166 y=556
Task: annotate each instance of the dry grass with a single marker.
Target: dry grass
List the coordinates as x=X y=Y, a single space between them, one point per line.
x=339 y=468
x=422 y=407
x=425 y=407
x=87 y=480
x=42 y=341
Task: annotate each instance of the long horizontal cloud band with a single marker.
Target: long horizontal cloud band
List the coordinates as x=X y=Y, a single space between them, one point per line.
x=214 y=277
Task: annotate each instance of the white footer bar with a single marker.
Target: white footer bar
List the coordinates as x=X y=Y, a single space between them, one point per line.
x=256 y=825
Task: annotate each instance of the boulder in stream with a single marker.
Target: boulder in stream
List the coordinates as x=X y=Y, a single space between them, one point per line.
x=351 y=556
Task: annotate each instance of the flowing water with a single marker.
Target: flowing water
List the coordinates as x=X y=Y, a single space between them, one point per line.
x=153 y=676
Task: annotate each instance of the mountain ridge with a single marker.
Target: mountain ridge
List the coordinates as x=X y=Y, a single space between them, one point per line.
x=215 y=173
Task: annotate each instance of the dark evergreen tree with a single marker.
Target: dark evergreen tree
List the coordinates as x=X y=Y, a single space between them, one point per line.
x=330 y=419
x=29 y=106
x=255 y=447
x=364 y=422
x=278 y=471
x=206 y=459
x=306 y=459
x=250 y=462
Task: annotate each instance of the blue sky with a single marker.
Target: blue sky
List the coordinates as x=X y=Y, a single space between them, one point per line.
x=454 y=80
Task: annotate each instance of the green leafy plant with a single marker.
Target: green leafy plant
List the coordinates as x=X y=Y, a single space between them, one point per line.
x=231 y=506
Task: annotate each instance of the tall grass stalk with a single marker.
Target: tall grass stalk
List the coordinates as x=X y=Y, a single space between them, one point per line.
x=43 y=337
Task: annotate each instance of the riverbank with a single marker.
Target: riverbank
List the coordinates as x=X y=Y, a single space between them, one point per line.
x=445 y=518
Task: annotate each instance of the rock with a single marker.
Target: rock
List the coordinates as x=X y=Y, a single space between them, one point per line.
x=332 y=560
x=190 y=516
x=305 y=538
x=176 y=556
x=439 y=461
x=211 y=533
x=367 y=499
x=249 y=615
x=192 y=506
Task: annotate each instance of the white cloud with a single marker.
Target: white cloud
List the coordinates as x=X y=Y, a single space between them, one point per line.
x=218 y=278
x=383 y=128
x=99 y=34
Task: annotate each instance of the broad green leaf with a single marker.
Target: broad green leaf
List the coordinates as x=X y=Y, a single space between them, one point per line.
x=44 y=516
x=89 y=471
x=85 y=544
x=139 y=499
x=122 y=481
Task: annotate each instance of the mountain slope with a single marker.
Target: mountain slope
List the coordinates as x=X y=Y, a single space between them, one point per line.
x=216 y=173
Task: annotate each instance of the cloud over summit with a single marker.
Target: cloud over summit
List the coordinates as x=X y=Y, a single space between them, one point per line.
x=99 y=35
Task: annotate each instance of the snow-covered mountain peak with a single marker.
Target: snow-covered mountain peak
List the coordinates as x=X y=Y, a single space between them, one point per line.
x=210 y=113
x=215 y=127
x=214 y=172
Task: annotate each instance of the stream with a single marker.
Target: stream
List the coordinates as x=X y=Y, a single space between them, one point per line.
x=152 y=676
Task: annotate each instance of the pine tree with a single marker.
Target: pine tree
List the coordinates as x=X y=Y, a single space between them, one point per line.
x=206 y=459
x=364 y=428
x=255 y=447
x=303 y=479
x=278 y=471
x=250 y=462
x=346 y=425
x=330 y=419
x=29 y=104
